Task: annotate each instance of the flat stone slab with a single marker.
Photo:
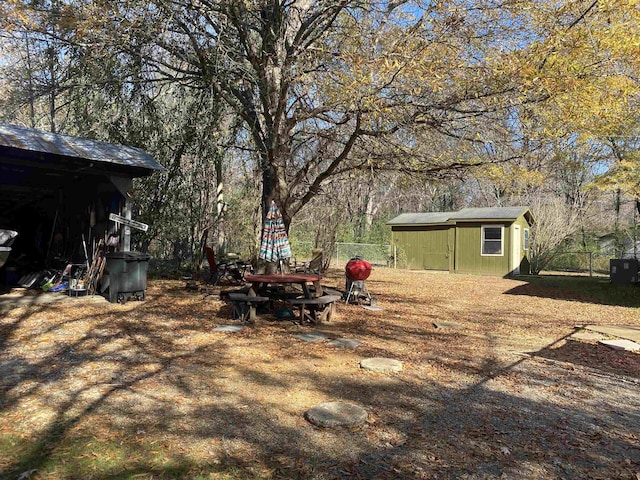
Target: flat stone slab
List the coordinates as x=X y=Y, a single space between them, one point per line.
x=372 y=308
x=446 y=325
x=336 y=414
x=228 y=328
x=346 y=343
x=622 y=331
x=626 y=345
x=379 y=364
x=587 y=336
x=12 y=300
x=312 y=337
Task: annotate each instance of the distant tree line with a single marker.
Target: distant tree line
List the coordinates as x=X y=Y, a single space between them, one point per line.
x=343 y=112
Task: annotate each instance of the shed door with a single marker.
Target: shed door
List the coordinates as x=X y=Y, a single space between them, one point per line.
x=515 y=249
x=435 y=249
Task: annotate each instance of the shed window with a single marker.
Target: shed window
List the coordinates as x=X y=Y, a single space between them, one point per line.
x=492 y=240
x=526 y=239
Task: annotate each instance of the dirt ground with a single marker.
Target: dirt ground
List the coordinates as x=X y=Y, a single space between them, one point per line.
x=94 y=390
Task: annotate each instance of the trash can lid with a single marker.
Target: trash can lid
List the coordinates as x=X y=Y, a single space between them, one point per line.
x=131 y=256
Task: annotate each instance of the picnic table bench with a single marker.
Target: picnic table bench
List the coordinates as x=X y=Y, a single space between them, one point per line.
x=320 y=309
x=244 y=306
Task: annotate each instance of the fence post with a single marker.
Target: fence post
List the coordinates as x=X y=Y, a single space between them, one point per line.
x=591 y=264
x=337 y=254
x=395 y=257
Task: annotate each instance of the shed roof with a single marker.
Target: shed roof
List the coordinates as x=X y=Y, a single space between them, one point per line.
x=28 y=139
x=464 y=215
x=490 y=213
x=430 y=218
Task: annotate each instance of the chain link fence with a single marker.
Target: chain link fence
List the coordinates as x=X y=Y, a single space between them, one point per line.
x=581 y=263
x=575 y=262
x=376 y=254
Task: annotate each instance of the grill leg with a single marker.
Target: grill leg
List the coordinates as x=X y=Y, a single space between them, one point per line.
x=351 y=291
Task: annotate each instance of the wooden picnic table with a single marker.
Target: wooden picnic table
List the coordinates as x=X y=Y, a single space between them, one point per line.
x=320 y=306
x=261 y=281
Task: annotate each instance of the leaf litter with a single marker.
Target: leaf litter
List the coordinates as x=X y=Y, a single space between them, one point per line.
x=150 y=388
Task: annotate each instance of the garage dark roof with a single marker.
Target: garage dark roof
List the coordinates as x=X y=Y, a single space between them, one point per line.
x=464 y=215
x=28 y=139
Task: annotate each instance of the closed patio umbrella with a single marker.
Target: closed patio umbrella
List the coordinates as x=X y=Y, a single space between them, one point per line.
x=275 y=241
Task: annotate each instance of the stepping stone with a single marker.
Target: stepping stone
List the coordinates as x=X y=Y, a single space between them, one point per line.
x=587 y=336
x=446 y=325
x=336 y=414
x=626 y=345
x=311 y=337
x=372 y=308
x=379 y=364
x=228 y=328
x=346 y=343
x=621 y=331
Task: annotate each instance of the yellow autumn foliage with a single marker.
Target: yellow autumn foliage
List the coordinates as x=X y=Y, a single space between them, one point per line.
x=623 y=175
x=510 y=178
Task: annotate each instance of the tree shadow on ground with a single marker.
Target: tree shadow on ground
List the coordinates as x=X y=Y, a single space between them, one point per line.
x=134 y=347
x=594 y=356
x=132 y=390
x=597 y=290
x=492 y=430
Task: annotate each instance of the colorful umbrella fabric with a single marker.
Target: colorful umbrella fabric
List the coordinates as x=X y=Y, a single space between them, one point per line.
x=275 y=241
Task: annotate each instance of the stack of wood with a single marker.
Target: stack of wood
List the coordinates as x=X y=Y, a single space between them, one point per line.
x=96 y=269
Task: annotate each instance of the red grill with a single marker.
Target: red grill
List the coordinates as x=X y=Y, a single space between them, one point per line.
x=358 y=269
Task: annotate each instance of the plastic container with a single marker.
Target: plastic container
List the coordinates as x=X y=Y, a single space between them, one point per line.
x=4 y=254
x=624 y=271
x=125 y=275
x=7 y=238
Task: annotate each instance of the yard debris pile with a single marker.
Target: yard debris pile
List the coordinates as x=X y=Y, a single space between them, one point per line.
x=150 y=389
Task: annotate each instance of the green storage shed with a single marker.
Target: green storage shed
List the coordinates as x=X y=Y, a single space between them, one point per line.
x=491 y=241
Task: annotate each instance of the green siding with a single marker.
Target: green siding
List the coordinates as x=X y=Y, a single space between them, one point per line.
x=452 y=249
x=425 y=248
x=409 y=243
x=457 y=248
x=468 y=250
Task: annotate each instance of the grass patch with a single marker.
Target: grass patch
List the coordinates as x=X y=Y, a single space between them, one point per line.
x=598 y=290
x=88 y=458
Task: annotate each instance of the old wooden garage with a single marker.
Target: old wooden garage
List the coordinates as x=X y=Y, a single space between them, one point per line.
x=58 y=191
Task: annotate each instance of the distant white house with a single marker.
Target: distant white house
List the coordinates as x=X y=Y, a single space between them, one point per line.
x=631 y=248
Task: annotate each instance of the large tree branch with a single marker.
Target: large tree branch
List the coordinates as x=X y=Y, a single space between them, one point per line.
x=315 y=186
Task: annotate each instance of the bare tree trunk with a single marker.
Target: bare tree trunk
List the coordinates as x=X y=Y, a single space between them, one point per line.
x=52 y=53
x=52 y=93
x=32 y=111
x=616 y=224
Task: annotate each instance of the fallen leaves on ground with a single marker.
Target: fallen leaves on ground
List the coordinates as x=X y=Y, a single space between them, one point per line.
x=148 y=390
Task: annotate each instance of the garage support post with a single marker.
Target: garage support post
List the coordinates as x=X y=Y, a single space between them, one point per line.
x=126 y=230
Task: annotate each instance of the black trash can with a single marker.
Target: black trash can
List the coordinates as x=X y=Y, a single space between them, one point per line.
x=125 y=276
